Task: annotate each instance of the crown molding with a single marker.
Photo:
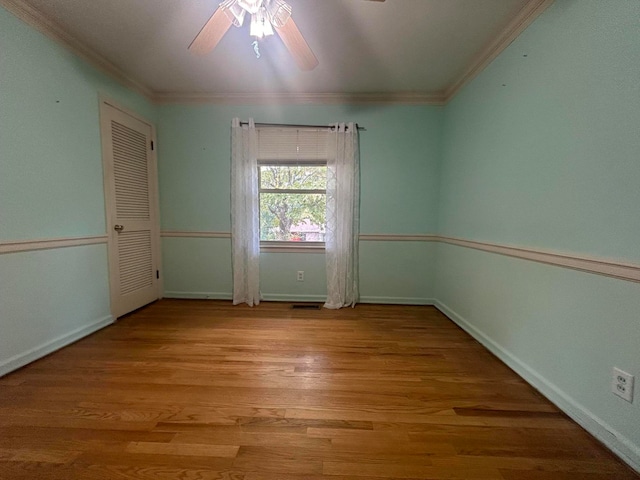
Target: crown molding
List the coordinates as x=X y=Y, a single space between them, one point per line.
x=390 y=98
x=34 y=18
x=55 y=32
x=497 y=45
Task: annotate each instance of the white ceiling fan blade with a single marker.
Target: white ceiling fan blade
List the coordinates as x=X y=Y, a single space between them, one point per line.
x=211 y=33
x=297 y=45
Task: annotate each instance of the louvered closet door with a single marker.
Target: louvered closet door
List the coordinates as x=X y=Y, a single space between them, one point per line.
x=129 y=182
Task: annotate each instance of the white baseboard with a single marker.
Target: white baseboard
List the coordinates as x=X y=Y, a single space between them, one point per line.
x=51 y=346
x=397 y=300
x=284 y=297
x=267 y=297
x=614 y=440
x=198 y=295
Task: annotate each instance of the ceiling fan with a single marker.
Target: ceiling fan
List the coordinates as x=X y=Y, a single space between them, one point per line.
x=266 y=15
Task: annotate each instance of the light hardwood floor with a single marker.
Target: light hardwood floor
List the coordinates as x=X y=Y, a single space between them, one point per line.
x=199 y=390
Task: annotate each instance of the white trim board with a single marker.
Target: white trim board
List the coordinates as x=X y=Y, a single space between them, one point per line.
x=22 y=359
x=279 y=297
x=50 y=243
x=382 y=98
x=396 y=300
x=366 y=237
x=600 y=266
x=199 y=295
x=193 y=234
x=614 y=440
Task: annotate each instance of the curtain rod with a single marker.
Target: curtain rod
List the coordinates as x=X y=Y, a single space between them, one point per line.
x=288 y=125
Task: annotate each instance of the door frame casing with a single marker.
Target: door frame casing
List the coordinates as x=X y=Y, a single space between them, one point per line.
x=109 y=200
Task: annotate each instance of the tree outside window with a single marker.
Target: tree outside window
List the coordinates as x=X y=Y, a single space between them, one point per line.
x=292 y=202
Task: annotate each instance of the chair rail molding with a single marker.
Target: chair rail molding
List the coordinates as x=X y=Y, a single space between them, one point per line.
x=600 y=266
x=50 y=243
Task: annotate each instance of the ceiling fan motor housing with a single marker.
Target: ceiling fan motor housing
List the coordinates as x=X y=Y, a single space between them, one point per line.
x=275 y=12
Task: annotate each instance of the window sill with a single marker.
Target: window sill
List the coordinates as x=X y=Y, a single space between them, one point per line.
x=292 y=247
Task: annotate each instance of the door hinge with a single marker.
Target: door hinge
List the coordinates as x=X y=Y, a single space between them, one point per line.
x=157 y=273
x=151 y=144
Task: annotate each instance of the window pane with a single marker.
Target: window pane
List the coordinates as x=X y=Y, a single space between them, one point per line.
x=293 y=217
x=293 y=177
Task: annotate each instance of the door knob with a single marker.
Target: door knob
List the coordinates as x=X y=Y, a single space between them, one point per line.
x=118 y=228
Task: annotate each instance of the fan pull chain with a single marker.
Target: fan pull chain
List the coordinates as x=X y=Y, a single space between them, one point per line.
x=256 y=48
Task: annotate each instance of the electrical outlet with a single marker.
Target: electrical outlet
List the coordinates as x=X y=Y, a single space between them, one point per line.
x=622 y=384
x=300 y=276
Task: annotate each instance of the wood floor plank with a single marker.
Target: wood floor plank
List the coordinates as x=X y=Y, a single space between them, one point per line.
x=356 y=469
x=208 y=391
x=175 y=448
x=44 y=456
x=237 y=437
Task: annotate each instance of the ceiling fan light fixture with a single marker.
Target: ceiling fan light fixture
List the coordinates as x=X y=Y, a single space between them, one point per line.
x=266 y=16
x=251 y=6
x=260 y=24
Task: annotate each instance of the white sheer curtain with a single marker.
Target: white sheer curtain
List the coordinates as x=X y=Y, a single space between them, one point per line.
x=343 y=216
x=245 y=228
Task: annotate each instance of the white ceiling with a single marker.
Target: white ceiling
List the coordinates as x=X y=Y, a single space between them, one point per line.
x=421 y=47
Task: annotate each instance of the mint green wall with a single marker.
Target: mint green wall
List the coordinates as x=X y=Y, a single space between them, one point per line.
x=50 y=187
x=551 y=159
x=50 y=137
x=542 y=151
x=397 y=272
x=278 y=276
x=49 y=298
x=400 y=151
x=197 y=267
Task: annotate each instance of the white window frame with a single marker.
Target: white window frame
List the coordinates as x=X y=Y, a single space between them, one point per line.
x=283 y=246
x=291 y=150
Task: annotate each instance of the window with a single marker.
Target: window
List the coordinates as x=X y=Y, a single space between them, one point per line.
x=292 y=183
x=293 y=202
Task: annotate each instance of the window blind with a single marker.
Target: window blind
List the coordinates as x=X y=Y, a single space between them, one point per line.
x=291 y=144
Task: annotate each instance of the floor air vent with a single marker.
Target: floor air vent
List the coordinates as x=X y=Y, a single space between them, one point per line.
x=305 y=306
